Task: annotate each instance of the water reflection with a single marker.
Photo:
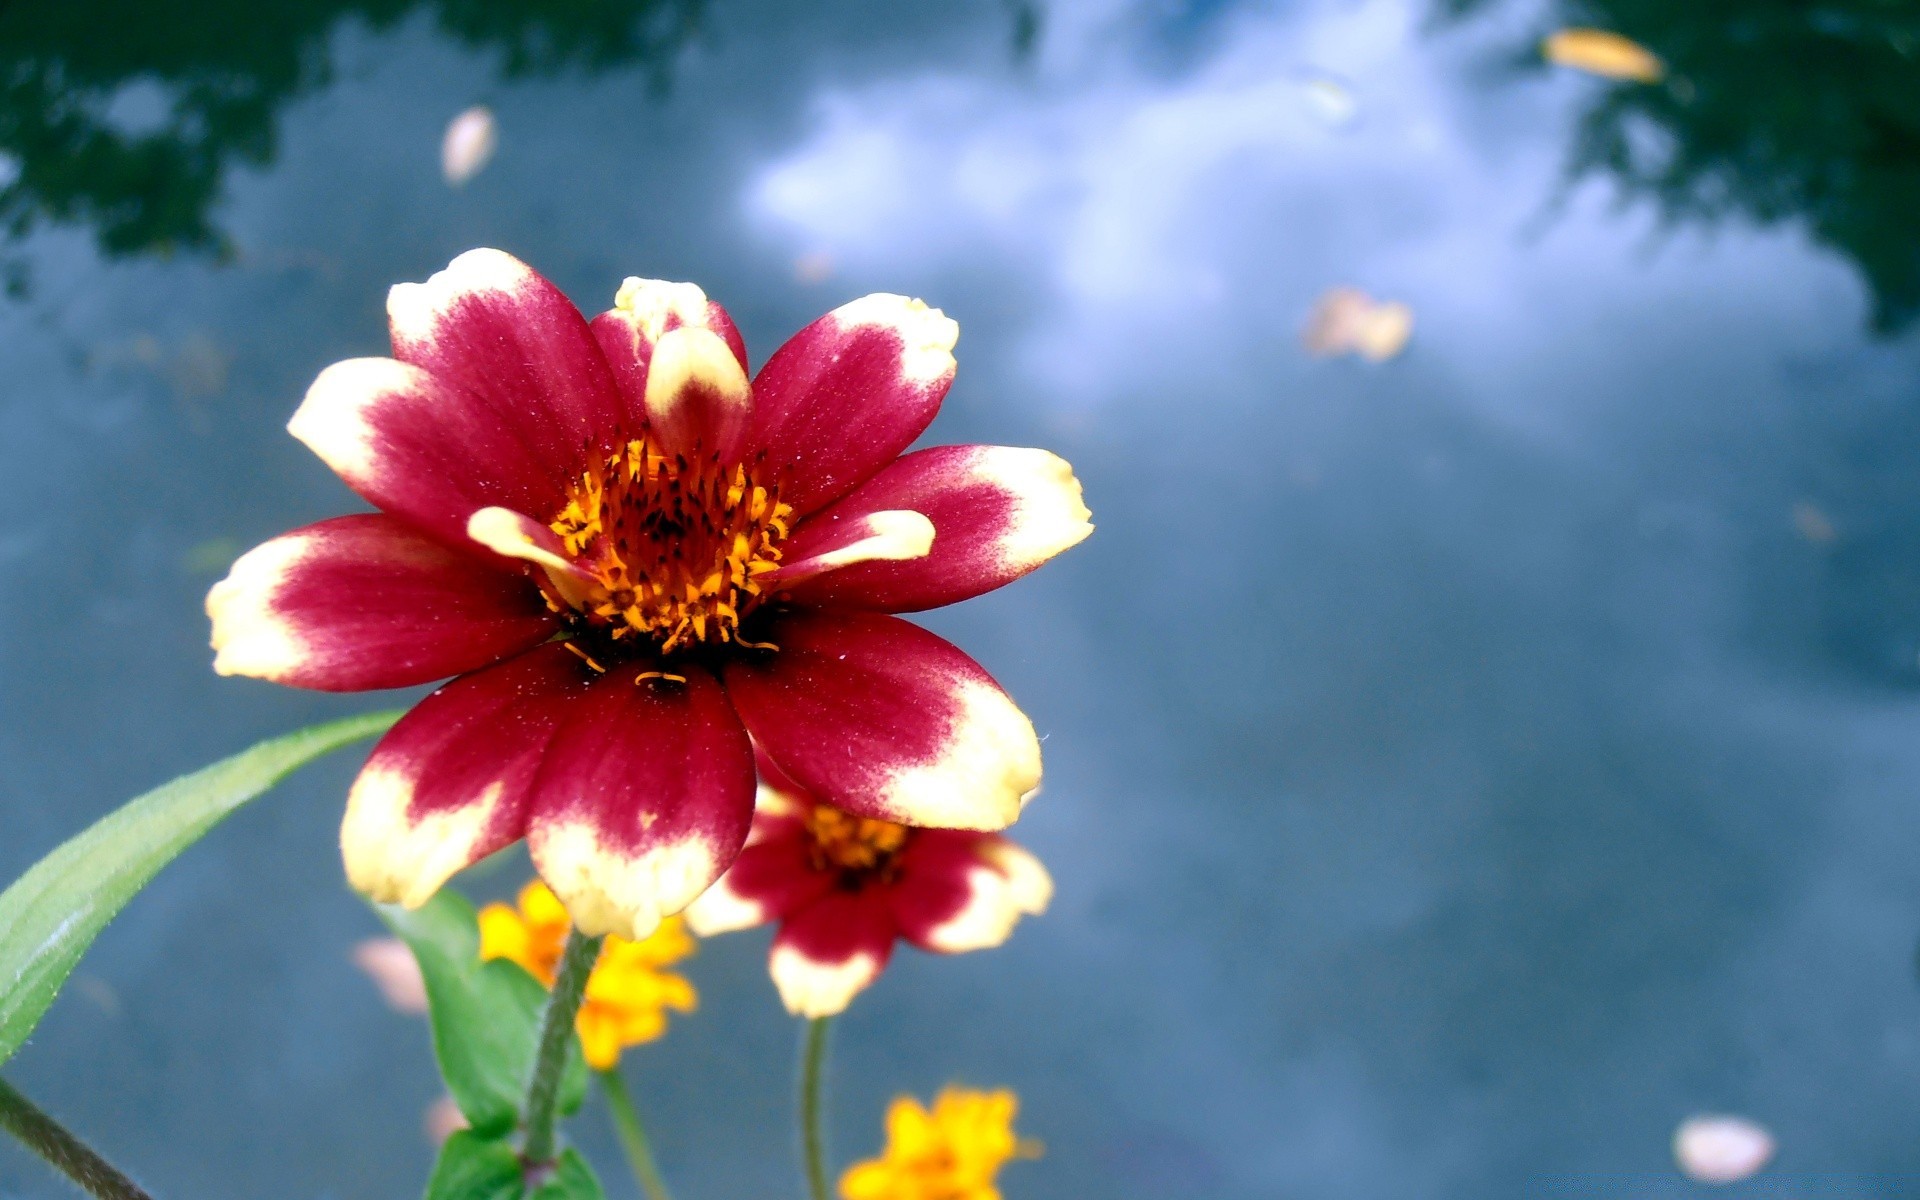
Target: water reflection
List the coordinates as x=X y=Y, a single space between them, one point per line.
x=1773 y=110
x=132 y=136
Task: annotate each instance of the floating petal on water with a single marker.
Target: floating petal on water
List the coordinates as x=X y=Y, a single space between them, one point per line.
x=469 y=144
x=1331 y=100
x=1603 y=53
x=1721 y=1149
x=1811 y=523
x=1348 y=321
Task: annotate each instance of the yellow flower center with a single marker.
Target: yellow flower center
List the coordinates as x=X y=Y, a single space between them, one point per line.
x=677 y=549
x=849 y=843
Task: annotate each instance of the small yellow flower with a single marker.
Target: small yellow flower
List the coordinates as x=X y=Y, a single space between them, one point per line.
x=629 y=992
x=950 y=1153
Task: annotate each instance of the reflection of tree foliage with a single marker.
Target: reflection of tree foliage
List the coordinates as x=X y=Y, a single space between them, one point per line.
x=1773 y=109
x=222 y=69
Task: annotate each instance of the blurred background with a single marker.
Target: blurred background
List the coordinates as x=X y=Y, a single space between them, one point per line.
x=1480 y=735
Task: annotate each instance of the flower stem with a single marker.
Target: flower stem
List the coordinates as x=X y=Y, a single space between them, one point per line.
x=633 y=1135
x=68 y=1154
x=813 y=1067
x=556 y=1037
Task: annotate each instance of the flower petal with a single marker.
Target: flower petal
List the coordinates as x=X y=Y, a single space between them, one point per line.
x=772 y=879
x=643 y=310
x=515 y=535
x=645 y=797
x=849 y=392
x=821 y=546
x=417 y=446
x=365 y=601
x=492 y=325
x=827 y=952
x=887 y=720
x=997 y=512
x=961 y=891
x=449 y=784
x=697 y=396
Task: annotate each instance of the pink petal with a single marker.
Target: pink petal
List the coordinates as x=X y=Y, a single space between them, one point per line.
x=365 y=602
x=645 y=797
x=997 y=512
x=442 y=1120
x=424 y=450
x=827 y=952
x=888 y=721
x=395 y=971
x=450 y=783
x=848 y=393
x=490 y=325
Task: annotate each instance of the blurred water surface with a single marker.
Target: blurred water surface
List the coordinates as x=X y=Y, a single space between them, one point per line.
x=1461 y=768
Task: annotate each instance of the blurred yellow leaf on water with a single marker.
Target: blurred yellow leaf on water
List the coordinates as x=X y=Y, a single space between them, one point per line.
x=1348 y=321
x=1605 y=53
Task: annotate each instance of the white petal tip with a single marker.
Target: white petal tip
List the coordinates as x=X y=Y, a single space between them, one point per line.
x=813 y=989
x=249 y=637
x=657 y=304
x=927 y=335
x=720 y=909
x=394 y=856
x=989 y=764
x=608 y=892
x=1050 y=512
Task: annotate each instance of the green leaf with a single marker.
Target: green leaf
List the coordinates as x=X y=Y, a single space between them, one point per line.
x=475 y=1167
x=572 y=1179
x=472 y=1167
x=51 y=914
x=486 y=1015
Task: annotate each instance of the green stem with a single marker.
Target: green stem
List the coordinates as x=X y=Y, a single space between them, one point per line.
x=556 y=1037
x=68 y=1154
x=633 y=1135
x=813 y=1068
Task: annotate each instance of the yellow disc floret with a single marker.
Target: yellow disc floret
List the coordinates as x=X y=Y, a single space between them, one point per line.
x=677 y=549
x=852 y=843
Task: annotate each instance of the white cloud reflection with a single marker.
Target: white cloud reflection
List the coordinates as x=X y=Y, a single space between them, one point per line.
x=1188 y=210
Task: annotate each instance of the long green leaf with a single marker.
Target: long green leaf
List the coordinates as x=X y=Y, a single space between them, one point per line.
x=51 y=914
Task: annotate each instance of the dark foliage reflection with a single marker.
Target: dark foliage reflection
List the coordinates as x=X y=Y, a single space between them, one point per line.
x=124 y=116
x=1772 y=110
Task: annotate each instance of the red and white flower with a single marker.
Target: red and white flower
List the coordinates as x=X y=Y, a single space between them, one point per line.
x=633 y=557
x=845 y=888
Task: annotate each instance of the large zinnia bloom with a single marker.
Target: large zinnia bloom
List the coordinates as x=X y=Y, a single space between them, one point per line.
x=633 y=558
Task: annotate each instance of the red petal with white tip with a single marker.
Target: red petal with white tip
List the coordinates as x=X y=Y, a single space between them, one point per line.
x=644 y=798
x=887 y=719
x=366 y=601
x=848 y=393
